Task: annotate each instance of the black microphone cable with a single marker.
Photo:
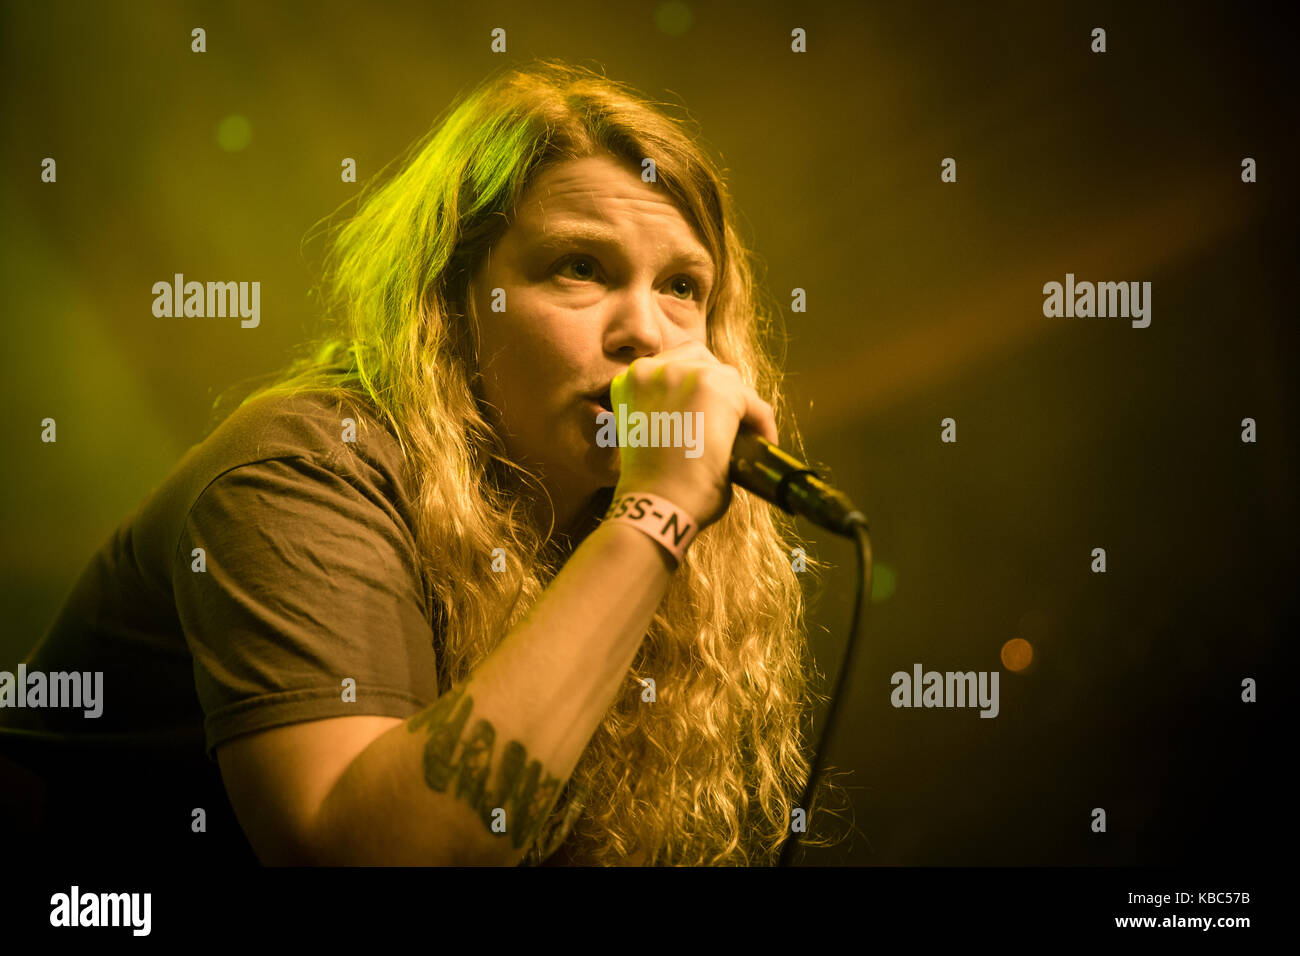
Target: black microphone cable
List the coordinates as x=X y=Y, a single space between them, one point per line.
x=862 y=539
x=764 y=469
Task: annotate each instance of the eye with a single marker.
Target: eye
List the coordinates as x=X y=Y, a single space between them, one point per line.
x=582 y=262
x=692 y=290
x=587 y=271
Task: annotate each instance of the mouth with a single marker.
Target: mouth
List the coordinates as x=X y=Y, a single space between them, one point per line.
x=603 y=404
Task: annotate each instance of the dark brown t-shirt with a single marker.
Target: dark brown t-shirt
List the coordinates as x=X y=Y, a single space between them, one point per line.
x=276 y=562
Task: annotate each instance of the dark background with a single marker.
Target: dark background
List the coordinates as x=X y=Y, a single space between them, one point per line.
x=924 y=302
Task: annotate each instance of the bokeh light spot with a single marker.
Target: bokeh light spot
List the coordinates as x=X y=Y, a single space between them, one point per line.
x=673 y=18
x=234 y=133
x=883 y=583
x=1017 y=654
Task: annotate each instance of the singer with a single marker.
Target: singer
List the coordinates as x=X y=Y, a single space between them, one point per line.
x=387 y=598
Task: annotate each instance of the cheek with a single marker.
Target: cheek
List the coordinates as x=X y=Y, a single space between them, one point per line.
x=519 y=383
x=536 y=354
x=546 y=354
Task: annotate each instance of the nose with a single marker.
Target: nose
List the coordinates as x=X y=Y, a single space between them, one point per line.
x=636 y=326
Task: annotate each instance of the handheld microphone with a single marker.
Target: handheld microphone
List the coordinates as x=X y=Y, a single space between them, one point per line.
x=762 y=468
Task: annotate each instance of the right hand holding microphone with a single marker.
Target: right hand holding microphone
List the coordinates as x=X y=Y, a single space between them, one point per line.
x=688 y=378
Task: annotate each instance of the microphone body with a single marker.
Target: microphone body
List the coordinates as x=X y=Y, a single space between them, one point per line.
x=762 y=468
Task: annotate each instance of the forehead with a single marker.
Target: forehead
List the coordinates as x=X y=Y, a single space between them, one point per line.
x=602 y=199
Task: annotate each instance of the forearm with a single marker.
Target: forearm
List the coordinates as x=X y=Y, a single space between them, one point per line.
x=428 y=791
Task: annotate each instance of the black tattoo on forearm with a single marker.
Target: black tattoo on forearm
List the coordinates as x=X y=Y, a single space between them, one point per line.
x=463 y=768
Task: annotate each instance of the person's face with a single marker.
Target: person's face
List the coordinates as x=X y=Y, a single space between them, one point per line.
x=598 y=268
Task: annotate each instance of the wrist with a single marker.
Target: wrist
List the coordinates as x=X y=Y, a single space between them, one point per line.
x=657 y=516
x=683 y=497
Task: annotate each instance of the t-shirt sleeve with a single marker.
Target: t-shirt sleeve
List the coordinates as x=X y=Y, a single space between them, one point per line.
x=305 y=602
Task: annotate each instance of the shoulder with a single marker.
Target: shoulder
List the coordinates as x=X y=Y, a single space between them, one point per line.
x=324 y=439
x=340 y=431
x=327 y=426
x=319 y=449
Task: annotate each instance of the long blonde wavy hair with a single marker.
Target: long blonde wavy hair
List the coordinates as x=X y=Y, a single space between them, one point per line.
x=712 y=770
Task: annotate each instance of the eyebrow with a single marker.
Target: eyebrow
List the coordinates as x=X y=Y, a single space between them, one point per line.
x=583 y=232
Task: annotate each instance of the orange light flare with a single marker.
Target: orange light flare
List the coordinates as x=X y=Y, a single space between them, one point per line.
x=1017 y=654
